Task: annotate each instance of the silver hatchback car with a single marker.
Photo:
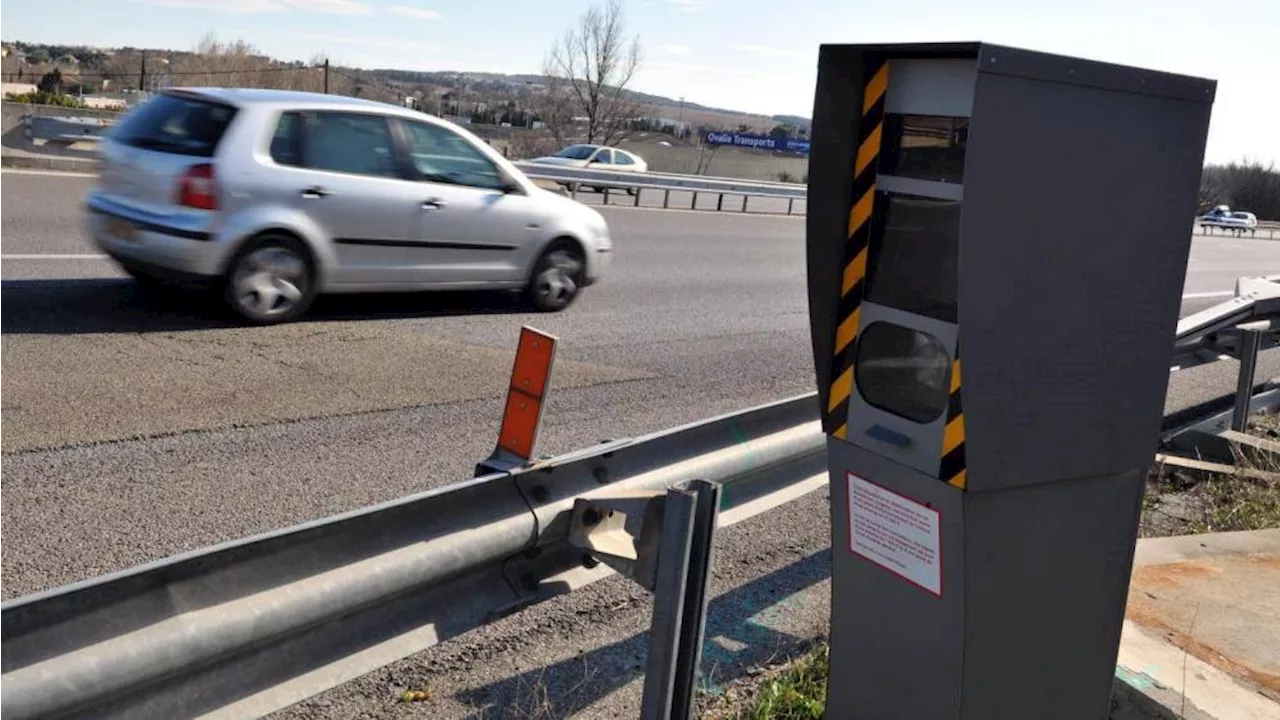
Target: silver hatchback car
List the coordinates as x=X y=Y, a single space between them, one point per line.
x=275 y=196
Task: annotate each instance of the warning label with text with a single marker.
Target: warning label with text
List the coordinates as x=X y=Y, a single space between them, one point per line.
x=896 y=533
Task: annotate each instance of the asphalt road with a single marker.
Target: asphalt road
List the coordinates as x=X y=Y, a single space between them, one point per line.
x=134 y=429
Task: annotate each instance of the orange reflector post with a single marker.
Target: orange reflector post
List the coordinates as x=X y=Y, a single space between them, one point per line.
x=530 y=380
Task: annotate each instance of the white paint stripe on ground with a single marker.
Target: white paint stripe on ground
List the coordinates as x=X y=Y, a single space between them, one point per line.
x=66 y=256
x=1197 y=296
x=51 y=173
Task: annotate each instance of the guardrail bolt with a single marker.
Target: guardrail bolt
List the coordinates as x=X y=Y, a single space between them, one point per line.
x=591 y=517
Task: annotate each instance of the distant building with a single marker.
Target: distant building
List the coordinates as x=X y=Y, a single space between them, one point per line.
x=7 y=89
x=103 y=103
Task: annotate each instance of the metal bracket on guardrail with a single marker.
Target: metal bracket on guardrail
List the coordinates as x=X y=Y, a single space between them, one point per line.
x=621 y=531
x=662 y=541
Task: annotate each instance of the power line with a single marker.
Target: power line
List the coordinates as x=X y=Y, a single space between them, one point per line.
x=185 y=73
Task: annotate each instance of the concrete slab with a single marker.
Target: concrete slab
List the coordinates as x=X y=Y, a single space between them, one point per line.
x=20 y=160
x=1202 y=629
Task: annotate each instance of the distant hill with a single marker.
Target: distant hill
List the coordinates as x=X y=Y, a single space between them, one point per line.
x=803 y=123
x=238 y=63
x=662 y=105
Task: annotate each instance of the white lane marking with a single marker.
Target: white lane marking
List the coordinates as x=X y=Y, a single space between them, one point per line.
x=1197 y=296
x=50 y=173
x=42 y=256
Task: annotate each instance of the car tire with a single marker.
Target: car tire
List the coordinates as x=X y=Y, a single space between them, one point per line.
x=557 y=278
x=272 y=279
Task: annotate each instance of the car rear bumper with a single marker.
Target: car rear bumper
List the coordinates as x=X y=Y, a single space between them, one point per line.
x=177 y=249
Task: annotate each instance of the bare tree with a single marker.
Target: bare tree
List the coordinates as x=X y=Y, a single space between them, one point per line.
x=595 y=62
x=555 y=104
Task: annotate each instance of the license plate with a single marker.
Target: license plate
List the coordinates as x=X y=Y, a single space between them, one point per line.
x=122 y=229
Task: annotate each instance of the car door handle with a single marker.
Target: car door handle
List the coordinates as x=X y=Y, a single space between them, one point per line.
x=315 y=191
x=433 y=204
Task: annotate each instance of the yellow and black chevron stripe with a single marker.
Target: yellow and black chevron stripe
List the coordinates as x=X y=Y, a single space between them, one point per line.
x=952 y=468
x=848 y=316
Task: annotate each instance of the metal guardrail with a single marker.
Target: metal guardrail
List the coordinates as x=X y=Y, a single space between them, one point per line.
x=248 y=627
x=72 y=130
x=635 y=185
x=64 y=129
x=673 y=181
x=1263 y=232
x=1212 y=334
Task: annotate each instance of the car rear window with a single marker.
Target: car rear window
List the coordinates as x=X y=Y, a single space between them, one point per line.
x=177 y=124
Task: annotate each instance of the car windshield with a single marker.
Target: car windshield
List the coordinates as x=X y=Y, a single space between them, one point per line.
x=577 y=152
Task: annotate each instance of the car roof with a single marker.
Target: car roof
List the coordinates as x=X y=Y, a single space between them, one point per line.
x=288 y=98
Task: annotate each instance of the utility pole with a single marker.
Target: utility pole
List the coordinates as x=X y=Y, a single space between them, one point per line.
x=142 y=77
x=326 y=76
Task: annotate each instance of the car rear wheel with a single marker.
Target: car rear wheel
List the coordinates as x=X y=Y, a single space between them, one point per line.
x=271 y=280
x=557 y=278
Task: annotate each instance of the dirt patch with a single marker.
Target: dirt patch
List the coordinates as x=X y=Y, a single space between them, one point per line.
x=1208 y=653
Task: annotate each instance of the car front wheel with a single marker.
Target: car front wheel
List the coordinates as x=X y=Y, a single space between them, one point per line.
x=557 y=278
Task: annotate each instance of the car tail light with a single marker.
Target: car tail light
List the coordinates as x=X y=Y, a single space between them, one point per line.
x=198 y=188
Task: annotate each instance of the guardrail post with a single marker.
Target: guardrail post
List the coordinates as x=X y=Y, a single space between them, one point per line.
x=744 y=202
x=638 y=191
x=666 y=199
x=720 y=203
x=790 y=203
x=694 y=205
x=606 y=195
x=1249 y=342
x=680 y=600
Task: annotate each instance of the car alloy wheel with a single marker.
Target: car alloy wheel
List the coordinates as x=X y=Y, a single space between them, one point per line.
x=269 y=283
x=558 y=280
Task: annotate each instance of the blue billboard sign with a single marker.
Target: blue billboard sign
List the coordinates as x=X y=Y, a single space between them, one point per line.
x=758 y=142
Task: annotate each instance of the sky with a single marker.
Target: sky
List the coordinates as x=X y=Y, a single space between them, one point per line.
x=751 y=55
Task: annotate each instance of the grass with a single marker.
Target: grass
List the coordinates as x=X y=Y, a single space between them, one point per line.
x=1182 y=502
x=797 y=692
x=1235 y=503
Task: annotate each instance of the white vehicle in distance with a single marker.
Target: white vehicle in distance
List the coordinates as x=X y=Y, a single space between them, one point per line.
x=273 y=197
x=595 y=157
x=1224 y=217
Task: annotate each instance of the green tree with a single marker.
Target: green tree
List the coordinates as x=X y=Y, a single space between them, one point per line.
x=782 y=132
x=51 y=82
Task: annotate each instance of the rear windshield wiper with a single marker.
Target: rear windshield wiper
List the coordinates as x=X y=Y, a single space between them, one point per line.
x=154 y=143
